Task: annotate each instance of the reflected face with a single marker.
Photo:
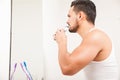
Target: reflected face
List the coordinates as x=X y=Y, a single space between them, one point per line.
x=72 y=21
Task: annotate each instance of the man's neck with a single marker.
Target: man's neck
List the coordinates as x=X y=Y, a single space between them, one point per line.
x=84 y=29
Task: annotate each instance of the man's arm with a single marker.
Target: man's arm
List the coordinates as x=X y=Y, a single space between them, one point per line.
x=71 y=63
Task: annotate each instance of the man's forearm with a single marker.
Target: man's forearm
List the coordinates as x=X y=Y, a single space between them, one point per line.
x=63 y=55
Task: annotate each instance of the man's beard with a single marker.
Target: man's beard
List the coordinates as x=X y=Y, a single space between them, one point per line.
x=74 y=30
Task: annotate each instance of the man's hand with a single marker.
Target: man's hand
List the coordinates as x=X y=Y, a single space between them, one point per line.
x=60 y=36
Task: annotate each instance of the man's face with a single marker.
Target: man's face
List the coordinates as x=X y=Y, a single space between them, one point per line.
x=72 y=20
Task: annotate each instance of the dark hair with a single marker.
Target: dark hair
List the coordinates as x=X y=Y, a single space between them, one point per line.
x=87 y=6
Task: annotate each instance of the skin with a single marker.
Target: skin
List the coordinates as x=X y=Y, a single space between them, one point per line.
x=95 y=45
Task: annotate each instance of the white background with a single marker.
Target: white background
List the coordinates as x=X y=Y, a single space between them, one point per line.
x=5 y=7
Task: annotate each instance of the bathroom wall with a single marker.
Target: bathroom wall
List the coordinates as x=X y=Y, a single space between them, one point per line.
x=5 y=14
x=55 y=16
x=27 y=38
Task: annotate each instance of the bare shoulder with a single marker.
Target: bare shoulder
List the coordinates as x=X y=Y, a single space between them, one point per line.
x=101 y=40
x=97 y=34
x=97 y=37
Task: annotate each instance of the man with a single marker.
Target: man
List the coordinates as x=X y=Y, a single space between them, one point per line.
x=95 y=53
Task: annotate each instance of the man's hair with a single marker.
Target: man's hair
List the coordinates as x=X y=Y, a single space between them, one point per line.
x=87 y=6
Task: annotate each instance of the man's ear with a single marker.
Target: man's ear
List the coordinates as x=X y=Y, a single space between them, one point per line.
x=81 y=15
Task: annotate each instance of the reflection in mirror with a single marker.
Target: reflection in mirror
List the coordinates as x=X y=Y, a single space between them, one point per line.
x=27 y=52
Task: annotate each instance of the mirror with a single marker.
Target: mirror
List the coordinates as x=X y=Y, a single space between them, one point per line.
x=27 y=50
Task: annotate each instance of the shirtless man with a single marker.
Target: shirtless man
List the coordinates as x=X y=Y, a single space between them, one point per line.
x=95 y=54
